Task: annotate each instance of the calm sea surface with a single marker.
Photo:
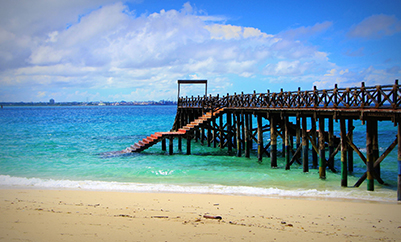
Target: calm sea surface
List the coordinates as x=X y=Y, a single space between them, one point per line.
x=61 y=148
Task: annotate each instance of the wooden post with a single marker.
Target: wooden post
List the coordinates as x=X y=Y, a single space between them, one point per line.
x=170 y=146
x=229 y=133
x=283 y=131
x=298 y=134
x=243 y=134
x=238 y=134
x=375 y=147
x=304 y=146
x=322 y=161
x=273 y=141
x=214 y=131
x=314 y=138
x=221 y=132
x=350 y=151
x=331 y=141
x=399 y=162
x=370 y=133
x=209 y=133
x=343 y=134
x=189 y=144
x=180 y=143
x=287 y=143
x=163 y=144
x=260 y=138
x=246 y=133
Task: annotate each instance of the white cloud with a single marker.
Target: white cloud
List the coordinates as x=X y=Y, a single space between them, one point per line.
x=306 y=32
x=100 y=46
x=375 y=27
x=349 y=78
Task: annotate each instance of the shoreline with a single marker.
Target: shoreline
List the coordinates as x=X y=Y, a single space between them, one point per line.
x=73 y=215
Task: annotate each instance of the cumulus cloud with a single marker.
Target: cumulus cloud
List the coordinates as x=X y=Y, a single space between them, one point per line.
x=350 y=78
x=76 y=49
x=375 y=27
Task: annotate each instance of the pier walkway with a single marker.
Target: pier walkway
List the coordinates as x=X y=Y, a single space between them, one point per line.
x=228 y=122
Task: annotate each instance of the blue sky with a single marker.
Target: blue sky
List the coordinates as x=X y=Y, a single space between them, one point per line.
x=108 y=50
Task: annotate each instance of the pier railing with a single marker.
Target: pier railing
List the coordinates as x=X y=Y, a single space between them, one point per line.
x=375 y=97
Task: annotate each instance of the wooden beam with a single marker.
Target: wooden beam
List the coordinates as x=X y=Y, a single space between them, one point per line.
x=322 y=160
x=304 y=146
x=344 y=174
x=260 y=138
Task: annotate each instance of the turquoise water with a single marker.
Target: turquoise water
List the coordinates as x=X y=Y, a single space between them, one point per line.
x=61 y=148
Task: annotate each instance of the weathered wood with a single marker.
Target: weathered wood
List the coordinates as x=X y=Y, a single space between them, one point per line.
x=331 y=141
x=350 y=152
x=287 y=143
x=260 y=138
x=377 y=163
x=238 y=134
x=371 y=130
x=229 y=132
x=314 y=138
x=273 y=142
x=189 y=145
x=344 y=174
x=399 y=162
x=170 y=146
x=322 y=160
x=304 y=146
x=163 y=144
x=247 y=134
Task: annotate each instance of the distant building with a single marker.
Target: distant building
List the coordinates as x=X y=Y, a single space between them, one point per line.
x=51 y=101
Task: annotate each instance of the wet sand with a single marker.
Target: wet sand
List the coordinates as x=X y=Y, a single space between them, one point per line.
x=64 y=215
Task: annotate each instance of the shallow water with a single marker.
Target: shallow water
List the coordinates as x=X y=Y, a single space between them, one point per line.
x=61 y=147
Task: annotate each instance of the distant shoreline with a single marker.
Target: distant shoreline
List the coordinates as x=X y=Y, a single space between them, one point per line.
x=96 y=103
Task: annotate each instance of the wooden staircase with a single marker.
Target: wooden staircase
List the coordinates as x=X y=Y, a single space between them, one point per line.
x=158 y=136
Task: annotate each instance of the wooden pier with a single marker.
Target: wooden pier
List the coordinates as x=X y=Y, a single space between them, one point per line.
x=228 y=122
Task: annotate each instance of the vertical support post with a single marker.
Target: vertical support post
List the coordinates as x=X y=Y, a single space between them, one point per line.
x=229 y=133
x=344 y=171
x=273 y=141
x=314 y=138
x=243 y=135
x=238 y=134
x=283 y=132
x=170 y=146
x=189 y=144
x=221 y=137
x=260 y=138
x=180 y=143
x=298 y=133
x=246 y=132
x=376 y=153
x=322 y=161
x=350 y=150
x=304 y=146
x=213 y=124
x=287 y=143
x=399 y=162
x=209 y=133
x=331 y=139
x=163 y=144
x=370 y=133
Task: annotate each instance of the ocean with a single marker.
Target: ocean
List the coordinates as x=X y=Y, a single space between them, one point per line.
x=63 y=148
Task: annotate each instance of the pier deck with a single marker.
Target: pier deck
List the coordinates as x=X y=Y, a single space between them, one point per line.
x=227 y=122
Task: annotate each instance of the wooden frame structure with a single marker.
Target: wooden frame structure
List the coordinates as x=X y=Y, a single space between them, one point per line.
x=228 y=122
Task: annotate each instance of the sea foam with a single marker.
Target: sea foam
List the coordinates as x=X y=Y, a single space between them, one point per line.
x=7 y=181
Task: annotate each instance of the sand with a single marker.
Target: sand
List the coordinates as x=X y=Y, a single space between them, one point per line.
x=64 y=215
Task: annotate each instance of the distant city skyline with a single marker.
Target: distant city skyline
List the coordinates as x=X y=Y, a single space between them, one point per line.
x=138 y=49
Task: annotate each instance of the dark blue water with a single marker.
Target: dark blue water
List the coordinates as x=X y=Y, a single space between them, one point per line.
x=61 y=147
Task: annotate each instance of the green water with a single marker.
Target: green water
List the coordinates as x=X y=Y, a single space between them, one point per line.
x=61 y=148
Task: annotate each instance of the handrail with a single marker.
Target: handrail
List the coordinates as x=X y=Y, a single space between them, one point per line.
x=377 y=97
